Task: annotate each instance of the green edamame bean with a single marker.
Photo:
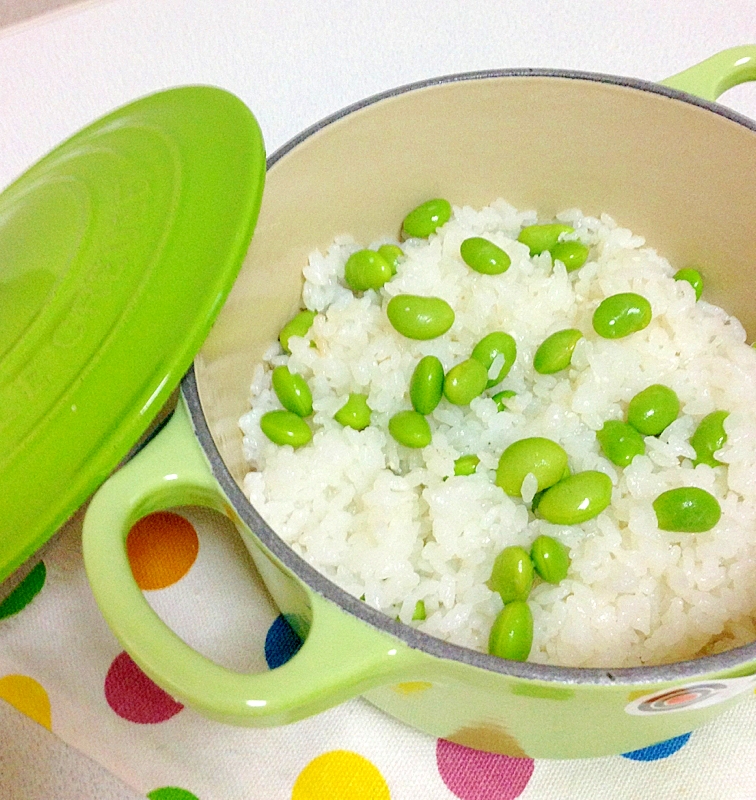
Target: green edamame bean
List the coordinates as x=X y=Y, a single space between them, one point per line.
x=572 y=254
x=620 y=442
x=410 y=429
x=484 y=256
x=687 y=510
x=366 y=269
x=285 y=427
x=512 y=574
x=538 y=495
x=355 y=413
x=575 y=499
x=693 y=277
x=426 y=218
x=489 y=347
x=419 y=613
x=466 y=465
x=427 y=384
x=512 y=632
x=653 y=409
x=391 y=253
x=551 y=559
x=542 y=237
x=465 y=381
x=621 y=314
x=296 y=326
x=555 y=352
x=292 y=390
x=500 y=399
x=542 y=457
x=419 y=317
x=708 y=437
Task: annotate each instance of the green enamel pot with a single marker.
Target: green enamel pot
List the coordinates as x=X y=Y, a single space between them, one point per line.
x=662 y=159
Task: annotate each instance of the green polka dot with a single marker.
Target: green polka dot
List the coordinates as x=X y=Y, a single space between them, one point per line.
x=25 y=592
x=171 y=793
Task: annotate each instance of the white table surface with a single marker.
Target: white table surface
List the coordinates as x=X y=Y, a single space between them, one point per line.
x=294 y=63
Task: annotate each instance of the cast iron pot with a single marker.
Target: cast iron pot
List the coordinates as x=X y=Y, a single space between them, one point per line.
x=663 y=160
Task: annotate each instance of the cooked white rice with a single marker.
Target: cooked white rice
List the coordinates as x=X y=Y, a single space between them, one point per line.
x=396 y=526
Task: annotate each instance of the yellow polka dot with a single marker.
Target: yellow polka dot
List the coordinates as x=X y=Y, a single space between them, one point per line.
x=412 y=687
x=28 y=697
x=162 y=548
x=340 y=775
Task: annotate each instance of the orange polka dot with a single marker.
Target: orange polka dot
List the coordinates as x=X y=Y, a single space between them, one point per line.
x=28 y=696
x=162 y=548
x=340 y=775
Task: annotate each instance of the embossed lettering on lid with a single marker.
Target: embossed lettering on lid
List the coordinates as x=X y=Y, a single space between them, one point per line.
x=114 y=252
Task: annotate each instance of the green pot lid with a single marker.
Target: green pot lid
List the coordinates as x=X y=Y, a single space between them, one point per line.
x=117 y=251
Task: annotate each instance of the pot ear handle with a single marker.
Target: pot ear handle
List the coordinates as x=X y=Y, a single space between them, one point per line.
x=714 y=76
x=341 y=656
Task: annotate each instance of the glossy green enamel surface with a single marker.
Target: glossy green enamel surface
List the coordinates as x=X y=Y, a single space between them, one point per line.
x=714 y=76
x=344 y=656
x=172 y=471
x=99 y=321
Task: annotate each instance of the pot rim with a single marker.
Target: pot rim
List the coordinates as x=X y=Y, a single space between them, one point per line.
x=739 y=657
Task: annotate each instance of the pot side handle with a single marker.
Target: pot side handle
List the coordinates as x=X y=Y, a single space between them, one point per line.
x=714 y=76
x=172 y=471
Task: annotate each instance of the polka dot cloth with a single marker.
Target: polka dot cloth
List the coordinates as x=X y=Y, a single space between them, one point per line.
x=171 y=793
x=340 y=775
x=658 y=751
x=134 y=697
x=316 y=759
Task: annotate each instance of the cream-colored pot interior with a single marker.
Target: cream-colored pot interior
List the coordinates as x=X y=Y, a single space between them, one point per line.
x=673 y=171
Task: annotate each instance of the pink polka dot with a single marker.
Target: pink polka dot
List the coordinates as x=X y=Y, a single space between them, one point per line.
x=475 y=775
x=134 y=697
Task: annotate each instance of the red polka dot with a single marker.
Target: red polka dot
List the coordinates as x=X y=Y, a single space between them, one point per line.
x=134 y=697
x=476 y=775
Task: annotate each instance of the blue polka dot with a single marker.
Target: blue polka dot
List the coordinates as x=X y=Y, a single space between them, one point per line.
x=281 y=642
x=660 y=750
